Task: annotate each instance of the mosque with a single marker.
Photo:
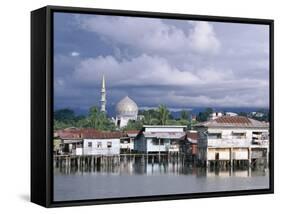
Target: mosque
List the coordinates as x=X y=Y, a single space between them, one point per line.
x=126 y=109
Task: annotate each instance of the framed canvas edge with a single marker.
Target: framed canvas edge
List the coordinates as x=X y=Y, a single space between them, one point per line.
x=49 y=108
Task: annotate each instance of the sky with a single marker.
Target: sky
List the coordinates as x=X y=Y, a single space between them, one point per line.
x=178 y=63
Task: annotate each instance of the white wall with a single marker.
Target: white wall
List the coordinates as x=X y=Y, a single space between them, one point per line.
x=124 y=120
x=102 y=149
x=224 y=154
x=155 y=147
x=240 y=154
x=227 y=138
x=15 y=105
x=127 y=144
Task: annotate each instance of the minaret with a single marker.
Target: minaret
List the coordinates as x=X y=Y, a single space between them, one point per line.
x=103 y=95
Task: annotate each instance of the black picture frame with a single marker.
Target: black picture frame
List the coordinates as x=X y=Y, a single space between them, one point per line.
x=42 y=105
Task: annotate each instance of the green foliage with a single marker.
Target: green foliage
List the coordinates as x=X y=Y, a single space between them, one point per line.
x=96 y=119
x=64 y=118
x=191 y=124
x=163 y=115
x=203 y=116
x=133 y=125
x=61 y=125
x=185 y=115
x=64 y=115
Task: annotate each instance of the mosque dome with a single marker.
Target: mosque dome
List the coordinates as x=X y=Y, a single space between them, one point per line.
x=127 y=107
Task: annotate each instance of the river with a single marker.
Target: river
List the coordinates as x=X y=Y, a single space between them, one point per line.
x=143 y=179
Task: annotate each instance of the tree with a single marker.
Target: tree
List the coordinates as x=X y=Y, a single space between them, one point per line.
x=82 y=123
x=173 y=122
x=209 y=111
x=98 y=120
x=133 y=125
x=147 y=118
x=60 y=125
x=184 y=115
x=64 y=118
x=204 y=116
x=64 y=115
x=163 y=114
x=94 y=118
x=191 y=124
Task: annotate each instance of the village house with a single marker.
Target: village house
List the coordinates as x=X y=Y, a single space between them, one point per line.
x=233 y=140
x=89 y=142
x=189 y=145
x=127 y=141
x=159 y=139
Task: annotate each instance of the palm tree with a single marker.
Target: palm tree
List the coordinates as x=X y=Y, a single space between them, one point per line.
x=96 y=119
x=163 y=114
x=147 y=118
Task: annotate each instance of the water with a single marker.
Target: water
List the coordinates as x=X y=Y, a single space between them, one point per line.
x=138 y=178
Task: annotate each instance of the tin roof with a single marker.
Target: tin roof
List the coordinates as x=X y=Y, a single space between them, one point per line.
x=164 y=135
x=89 y=133
x=163 y=126
x=191 y=136
x=234 y=121
x=132 y=133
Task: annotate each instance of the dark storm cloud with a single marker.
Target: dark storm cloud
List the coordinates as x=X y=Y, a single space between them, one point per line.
x=154 y=61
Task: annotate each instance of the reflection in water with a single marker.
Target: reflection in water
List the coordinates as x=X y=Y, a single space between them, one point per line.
x=161 y=166
x=144 y=177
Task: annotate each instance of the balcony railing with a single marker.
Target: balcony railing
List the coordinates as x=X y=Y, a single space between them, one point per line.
x=235 y=142
x=262 y=142
x=229 y=142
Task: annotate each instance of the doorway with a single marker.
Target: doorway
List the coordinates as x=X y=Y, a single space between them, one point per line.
x=217 y=156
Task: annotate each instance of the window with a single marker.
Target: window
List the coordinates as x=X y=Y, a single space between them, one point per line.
x=214 y=135
x=156 y=141
x=99 y=145
x=259 y=137
x=89 y=144
x=237 y=135
x=109 y=144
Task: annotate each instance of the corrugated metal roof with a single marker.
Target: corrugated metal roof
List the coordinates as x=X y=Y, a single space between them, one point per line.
x=163 y=126
x=132 y=133
x=234 y=121
x=88 y=133
x=164 y=135
x=191 y=136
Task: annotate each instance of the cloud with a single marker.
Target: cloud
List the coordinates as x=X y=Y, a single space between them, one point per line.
x=151 y=80
x=74 y=53
x=178 y=63
x=143 y=70
x=153 y=35
x=203 y=38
